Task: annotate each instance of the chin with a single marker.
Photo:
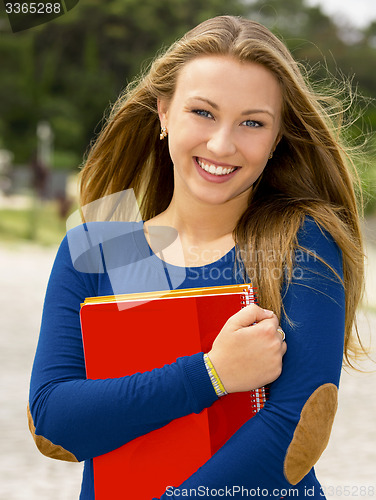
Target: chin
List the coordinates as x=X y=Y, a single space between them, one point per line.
x=216 y=200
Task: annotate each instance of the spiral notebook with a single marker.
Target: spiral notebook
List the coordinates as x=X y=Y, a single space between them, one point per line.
x=163 y=326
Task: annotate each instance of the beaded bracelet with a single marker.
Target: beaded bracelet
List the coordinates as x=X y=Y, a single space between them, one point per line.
x=215 y=380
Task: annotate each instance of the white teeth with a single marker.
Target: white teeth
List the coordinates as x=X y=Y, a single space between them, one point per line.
x=212 y=169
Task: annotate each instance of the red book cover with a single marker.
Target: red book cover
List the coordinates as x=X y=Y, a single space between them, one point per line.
x=123 y=336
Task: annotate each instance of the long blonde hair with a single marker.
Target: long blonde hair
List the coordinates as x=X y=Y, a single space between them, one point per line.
x=309 y=174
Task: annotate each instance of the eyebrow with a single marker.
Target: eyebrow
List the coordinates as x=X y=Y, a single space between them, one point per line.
x=246 y=112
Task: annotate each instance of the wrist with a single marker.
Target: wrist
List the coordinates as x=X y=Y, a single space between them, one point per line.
x=214 y=377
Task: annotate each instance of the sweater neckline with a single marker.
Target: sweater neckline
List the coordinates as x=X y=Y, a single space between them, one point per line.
x=147 y=253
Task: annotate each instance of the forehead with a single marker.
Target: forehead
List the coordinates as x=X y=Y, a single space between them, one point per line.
x=229 y=81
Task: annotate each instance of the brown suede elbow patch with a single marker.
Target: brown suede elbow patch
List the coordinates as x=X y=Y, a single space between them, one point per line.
x=312 y=433
x=46 y=447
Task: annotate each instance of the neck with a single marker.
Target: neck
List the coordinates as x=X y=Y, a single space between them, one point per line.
x=205 y=230
x=203 y=223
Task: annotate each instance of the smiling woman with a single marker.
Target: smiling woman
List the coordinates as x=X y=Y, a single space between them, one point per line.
x=225 y=144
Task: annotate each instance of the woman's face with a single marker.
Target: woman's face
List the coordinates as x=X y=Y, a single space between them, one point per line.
x=223 y=122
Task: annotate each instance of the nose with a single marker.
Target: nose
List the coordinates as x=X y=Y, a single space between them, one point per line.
x=221 y=142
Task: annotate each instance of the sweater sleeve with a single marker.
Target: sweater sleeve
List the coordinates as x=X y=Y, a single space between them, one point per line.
x=255 y=457
x=76 y=419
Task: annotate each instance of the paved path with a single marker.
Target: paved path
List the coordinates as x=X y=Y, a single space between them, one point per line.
x=25 y=474
x=349 y=461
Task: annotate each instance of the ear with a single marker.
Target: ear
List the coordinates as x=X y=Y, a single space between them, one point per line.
x=163 y=107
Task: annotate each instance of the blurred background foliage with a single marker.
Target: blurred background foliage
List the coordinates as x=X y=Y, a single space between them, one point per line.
x=68 y=71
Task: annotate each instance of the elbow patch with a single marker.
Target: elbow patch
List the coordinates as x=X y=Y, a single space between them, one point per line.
x=46 y=447
x=312 y=433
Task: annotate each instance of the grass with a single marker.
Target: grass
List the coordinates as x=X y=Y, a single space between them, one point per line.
x=40 y=224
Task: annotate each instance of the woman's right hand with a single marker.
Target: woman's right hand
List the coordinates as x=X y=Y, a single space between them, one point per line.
x=245 y=355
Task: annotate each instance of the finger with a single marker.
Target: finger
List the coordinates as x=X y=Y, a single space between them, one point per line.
x=284 y=348
x=282 y=333
x=249 y=315
x=268 y=325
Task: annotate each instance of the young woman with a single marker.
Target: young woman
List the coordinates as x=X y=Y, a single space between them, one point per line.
x=223 y=142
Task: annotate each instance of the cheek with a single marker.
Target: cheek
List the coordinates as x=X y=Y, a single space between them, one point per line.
x=256 y=154
x=258 y=148
x=183 y=143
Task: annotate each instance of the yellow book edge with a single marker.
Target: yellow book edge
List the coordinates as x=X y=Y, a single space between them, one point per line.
x=247 y=287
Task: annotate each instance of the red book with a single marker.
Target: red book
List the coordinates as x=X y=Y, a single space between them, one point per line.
x=126 y=334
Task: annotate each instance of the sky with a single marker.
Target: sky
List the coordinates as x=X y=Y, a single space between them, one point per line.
x=358 y=12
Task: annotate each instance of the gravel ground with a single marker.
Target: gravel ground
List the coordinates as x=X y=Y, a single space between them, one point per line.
x=347 y=467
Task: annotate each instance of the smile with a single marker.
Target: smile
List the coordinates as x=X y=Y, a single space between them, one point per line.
x=214 y=169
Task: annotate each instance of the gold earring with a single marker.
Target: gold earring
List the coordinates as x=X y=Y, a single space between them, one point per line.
x=271 y=155
x=163 y=133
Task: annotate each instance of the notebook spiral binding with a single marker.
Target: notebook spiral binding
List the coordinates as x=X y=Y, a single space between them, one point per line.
x=258 y=396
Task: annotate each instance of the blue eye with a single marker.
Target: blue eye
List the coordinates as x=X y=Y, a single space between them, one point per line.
x=202 y=112
x=253 y=124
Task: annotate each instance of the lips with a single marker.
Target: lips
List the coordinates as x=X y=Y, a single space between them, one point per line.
x=215 y=169
x=222 y=173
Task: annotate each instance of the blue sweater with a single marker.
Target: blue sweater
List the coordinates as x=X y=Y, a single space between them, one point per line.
x=91 y=417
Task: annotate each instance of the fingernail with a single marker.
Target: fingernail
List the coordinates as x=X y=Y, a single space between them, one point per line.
x=268 y=312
